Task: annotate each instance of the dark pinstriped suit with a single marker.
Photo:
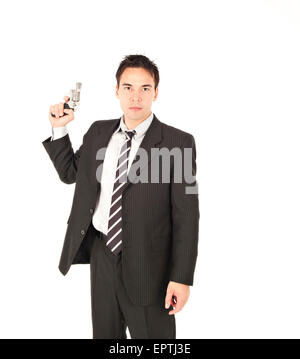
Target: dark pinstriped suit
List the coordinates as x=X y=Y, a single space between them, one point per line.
x=159 y=221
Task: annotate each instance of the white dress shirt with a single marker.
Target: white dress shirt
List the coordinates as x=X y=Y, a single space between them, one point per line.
x=101 y=214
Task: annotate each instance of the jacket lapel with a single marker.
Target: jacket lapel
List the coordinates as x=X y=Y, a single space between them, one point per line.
x=151 y=140
x=104 y=132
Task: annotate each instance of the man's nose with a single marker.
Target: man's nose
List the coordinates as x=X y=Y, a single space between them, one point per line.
x=136 y=94
x=135 y=99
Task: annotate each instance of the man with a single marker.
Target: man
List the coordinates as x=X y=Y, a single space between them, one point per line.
x=139 y=236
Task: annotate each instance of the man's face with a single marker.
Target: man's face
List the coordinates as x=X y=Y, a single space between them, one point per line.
x=136 y=90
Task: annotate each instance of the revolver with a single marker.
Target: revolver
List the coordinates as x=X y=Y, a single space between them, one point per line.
x=73 y=103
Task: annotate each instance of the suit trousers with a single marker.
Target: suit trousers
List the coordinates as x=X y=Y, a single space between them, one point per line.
x=112 y=309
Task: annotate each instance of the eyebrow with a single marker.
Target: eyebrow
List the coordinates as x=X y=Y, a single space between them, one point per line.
x=146 y=85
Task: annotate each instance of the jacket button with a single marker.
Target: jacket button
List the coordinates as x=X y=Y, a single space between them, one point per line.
x=82 y=232
x=91 y=210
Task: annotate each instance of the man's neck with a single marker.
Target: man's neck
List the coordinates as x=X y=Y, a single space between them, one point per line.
x=131 y=124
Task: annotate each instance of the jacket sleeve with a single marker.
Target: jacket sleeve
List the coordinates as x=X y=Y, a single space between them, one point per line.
x=63 y=157
x=185 y=220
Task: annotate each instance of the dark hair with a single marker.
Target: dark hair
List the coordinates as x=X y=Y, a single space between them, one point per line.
x=138 y=61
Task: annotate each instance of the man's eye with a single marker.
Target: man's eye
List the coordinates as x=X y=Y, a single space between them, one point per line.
x=128 y=87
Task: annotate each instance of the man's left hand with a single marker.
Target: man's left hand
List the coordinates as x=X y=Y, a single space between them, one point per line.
x=181 y=293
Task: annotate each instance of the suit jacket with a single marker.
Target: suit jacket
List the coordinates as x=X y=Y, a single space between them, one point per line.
x=159 y=220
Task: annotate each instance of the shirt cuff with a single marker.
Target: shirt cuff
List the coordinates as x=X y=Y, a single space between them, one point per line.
x=58 y=132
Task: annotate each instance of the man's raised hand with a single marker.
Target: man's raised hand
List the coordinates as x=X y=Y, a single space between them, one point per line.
x=58 y=110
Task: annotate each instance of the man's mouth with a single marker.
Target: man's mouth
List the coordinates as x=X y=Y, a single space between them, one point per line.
x=135 y=108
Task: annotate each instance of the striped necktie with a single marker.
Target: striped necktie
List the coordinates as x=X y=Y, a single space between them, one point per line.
x=114 y=234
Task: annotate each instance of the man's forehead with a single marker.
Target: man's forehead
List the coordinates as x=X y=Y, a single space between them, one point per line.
x=137 y=78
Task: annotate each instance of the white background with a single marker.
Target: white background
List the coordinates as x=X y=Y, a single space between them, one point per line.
x=230 y=76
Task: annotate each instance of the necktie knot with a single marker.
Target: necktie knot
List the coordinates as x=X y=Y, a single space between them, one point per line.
x=130 y=134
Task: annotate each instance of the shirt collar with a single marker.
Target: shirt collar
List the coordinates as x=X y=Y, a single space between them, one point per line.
x=139 y=129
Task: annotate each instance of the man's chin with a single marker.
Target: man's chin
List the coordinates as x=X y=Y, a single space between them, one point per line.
x=136 y=117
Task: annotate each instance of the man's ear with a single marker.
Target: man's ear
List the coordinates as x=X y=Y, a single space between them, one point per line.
x=117 y=90
x=156 y=94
